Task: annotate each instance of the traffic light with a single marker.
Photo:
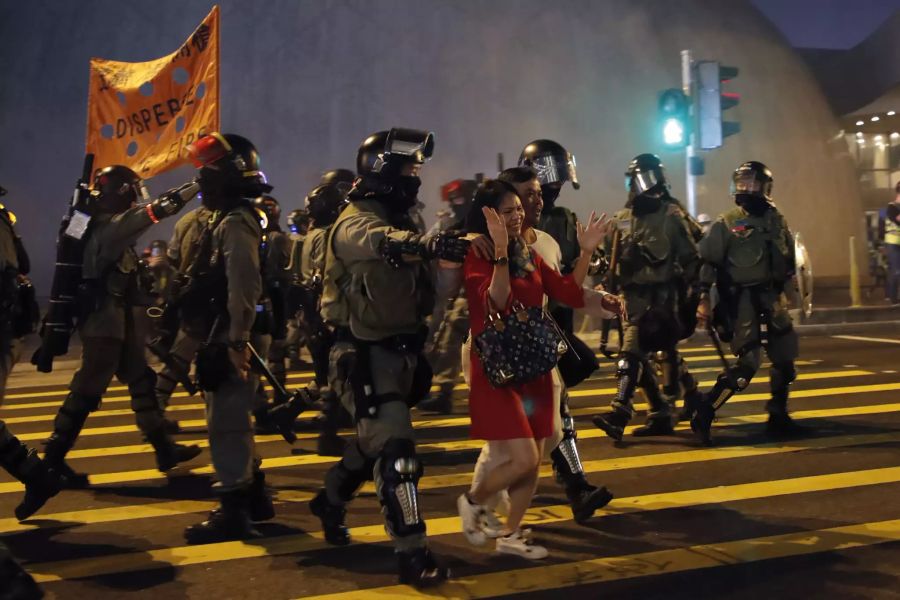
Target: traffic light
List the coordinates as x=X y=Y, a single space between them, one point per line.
x=674 y=118
x=711 y=101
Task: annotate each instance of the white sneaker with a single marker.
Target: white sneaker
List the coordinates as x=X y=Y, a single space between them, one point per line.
x=517 y=543
x=471 y=516
x=491 y=524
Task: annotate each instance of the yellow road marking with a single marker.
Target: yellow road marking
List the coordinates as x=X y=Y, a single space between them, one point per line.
x=162 y=509
x=200 y=406
x=290 y=544
x=457 y=446
x=645 y=564
x=305 y=376
x=463 y=421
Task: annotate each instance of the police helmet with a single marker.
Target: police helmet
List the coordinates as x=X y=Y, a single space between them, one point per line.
x=383 y=154
x=342 y=178
x=325 y=203
x=752 y=178
x=645 y=173
x=117 y=188
x=553 y=163
x=229 y=162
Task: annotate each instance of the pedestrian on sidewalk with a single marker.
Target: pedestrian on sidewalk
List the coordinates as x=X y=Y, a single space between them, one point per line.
x=892 y=247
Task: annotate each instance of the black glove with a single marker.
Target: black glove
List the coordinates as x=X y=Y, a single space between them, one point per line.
x=174 y=200
x=447 y=245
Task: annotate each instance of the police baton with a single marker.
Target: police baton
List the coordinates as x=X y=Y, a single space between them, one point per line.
x=297 y=401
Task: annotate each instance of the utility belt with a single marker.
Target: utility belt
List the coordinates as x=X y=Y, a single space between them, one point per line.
x=355 y=367
x=725 y=313
x=407 y=343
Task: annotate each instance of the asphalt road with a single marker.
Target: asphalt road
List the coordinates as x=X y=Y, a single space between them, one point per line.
x=815 y=517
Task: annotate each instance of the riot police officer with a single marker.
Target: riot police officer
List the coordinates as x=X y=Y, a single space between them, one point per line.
x=554 y=166
x=298 y=224
x=277 y=281
x=749 y=257
x=657 y=255
x=18 y=317
x=111 y=345
x=228 y=287
x=377 y=293
x=20 y=461
x=324 y=203
x=450 y=321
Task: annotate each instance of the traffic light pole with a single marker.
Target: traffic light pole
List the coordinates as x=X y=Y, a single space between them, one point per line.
x=690 y=182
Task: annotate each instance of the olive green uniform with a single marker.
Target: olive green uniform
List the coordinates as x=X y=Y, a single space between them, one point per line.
x=750 y=259
x=377 y=368
x=235 y=250
x=111 y=342
x=656 y=255
x=278 y=282
x=182 y=251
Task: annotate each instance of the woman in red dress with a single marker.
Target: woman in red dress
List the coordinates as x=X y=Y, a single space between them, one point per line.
x=514 y=419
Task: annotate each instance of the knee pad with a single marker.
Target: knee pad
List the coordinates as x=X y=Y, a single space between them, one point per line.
x=400 y=471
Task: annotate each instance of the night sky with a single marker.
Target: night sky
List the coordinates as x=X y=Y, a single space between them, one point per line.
x=835 y=24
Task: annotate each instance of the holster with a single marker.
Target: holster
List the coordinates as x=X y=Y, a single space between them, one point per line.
x=213 y=365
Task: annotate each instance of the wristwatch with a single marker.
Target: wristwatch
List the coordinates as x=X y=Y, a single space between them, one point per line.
x=501 y=260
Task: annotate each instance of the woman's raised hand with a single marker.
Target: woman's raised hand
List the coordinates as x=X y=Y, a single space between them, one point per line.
x=591 y=235
x=496 y=228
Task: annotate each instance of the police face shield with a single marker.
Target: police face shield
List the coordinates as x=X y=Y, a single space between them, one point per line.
x=639 y=182
x=553 y=168
x=412 y=144
x=750 y=184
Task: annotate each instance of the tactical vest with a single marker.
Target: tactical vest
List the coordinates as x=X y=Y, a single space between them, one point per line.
x=757 y=251
x=370 y=297
x=561 y=224
x=647 y=255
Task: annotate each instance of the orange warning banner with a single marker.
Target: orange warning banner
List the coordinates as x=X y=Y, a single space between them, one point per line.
x=142 y=115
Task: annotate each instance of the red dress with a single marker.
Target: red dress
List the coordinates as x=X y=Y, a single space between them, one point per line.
x=520 y=411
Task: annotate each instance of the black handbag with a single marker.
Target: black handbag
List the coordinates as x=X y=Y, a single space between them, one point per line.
x=578 y=363
x=519 y=347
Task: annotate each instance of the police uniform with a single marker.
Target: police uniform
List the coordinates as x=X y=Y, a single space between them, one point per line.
x=377 y=368
x=183 y=248
x=656 y=254
x=111 y=345
x=278 y=282
x=228 y=288
x=295 y=337
x=750 y=258
x=312 y=266
x=20 y=461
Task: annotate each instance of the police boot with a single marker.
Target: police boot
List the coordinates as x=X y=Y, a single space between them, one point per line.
x=420 y=569
x=231 y=521
x=41 y=483
x=658 y=423
x=584 y=498
x=66 y=427
x=780 y=423
x=332 y=517
x=441 y=403
x=16 y=583
x=701 y=422
x=692 y=399
x=168 y=453
x=613 y=422
x=261 y=506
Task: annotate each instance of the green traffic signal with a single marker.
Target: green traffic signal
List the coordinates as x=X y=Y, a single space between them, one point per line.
x=674 y=118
